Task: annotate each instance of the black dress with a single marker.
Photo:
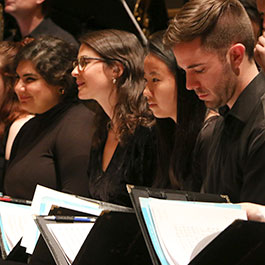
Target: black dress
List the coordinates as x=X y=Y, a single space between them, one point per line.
x=51 y=149
x=132 y=163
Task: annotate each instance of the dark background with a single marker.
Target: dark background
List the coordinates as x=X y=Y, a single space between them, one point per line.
x=79 y=16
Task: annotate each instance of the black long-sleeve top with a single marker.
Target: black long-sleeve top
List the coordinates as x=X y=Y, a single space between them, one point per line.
x=132 y=163
x=52 y=149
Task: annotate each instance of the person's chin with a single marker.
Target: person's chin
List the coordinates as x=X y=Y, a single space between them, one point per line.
x=211 y=104
x=82 y=96
x=8 y=9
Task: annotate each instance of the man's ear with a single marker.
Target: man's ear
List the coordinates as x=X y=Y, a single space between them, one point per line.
x=39 y=2
x=236 y=55
x=117 y=69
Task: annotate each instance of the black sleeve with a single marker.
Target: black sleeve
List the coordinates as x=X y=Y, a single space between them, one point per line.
x=73 y=145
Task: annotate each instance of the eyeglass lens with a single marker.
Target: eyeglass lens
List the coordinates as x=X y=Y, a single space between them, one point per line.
x=83 y=61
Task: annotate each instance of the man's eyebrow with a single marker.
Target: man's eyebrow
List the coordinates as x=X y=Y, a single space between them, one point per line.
x=194 y=65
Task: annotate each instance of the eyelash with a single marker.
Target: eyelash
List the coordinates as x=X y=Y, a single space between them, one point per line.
x=29 y=79
x=199 y=71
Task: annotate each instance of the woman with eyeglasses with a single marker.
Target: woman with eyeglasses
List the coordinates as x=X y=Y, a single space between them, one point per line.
x=52 y=149
x=109 y=70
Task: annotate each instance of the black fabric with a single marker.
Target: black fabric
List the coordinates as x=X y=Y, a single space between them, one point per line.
x=200 y=153
x=132 y=163
x=235 y=163
x=51 y=149
x=48 y=27
x=2 y=157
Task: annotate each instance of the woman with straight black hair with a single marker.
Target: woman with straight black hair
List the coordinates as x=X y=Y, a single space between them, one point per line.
x=179 y=116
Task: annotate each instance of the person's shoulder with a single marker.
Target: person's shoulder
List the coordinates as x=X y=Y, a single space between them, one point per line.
x=77 y=119
x=78 y=110
x=48 y=26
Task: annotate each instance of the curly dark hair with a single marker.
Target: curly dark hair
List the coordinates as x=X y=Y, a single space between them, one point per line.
x=53 y=59
x=131 y=109
x=10 y=108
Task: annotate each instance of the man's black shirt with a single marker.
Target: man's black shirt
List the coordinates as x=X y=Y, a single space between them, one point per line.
x=236 y=158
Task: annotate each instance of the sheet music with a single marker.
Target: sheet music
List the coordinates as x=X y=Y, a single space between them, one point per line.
x=13 y=220
x=183 y=229
x=70 y=237
x=42 y=201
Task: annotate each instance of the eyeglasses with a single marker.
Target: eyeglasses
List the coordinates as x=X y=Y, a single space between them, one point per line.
x=83 y=61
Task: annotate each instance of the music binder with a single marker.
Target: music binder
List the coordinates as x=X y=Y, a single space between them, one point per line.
x=135 y=192
x=115 y=238
x=58 y=254
x=44 y=252
x=45 y=197
x=215 y=252
x=241 y=243
x=14 y=213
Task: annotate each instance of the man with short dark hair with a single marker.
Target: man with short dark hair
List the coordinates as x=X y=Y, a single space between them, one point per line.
x=214 y=43
x=32 y=20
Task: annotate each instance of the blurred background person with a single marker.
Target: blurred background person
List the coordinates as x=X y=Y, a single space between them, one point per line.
x=33 y=20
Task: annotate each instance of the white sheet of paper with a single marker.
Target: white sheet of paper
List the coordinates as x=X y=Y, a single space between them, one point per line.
x=185 y=228
x=13 y=220
x=70 y=237
x=42 y=201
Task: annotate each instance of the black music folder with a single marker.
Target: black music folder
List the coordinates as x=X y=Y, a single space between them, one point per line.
x=115 y=238
x=241 y=242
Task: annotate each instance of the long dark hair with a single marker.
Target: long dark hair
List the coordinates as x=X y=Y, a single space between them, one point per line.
x=131 y=109
x=176 y=141
x=10 y=108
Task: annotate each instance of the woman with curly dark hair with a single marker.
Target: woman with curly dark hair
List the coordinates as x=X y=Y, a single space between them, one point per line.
x=12 y=116
x=52 y=149
x=109 y=70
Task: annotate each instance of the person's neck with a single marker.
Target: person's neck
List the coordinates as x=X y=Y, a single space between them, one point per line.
x=108 y=104
x=249 y=72
x=27 y=23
